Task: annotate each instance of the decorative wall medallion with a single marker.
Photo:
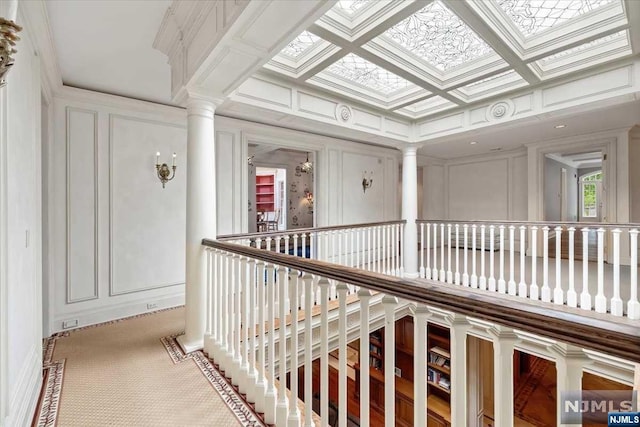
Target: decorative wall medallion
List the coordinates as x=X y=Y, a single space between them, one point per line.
x=500 y=110
x=344 y=113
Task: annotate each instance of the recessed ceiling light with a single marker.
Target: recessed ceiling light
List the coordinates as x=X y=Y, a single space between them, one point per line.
x=473 y=142
x=560 y=126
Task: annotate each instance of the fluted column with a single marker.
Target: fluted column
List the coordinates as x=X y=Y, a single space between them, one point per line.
x=201 y=216
x=410 y=210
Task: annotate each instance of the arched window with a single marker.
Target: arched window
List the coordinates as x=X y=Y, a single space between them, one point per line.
x=589 y=188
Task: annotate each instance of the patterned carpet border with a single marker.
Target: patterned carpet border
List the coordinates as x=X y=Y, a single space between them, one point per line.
x=229 y=394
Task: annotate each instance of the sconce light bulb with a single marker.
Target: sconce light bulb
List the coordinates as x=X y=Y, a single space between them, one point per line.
x=158 y=154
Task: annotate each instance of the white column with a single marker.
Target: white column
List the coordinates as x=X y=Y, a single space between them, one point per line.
x=410 y=210
x=389 y=303
x=503 y=346
x=458 y=329
x=420 y=366
x=569 y=365
x=201 y=216
x=365 y=298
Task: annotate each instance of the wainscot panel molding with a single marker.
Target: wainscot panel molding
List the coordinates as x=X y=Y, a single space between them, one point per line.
x=82 y=204
x=147 y=222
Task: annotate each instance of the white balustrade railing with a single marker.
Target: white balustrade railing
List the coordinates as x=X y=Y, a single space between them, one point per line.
x=269 y=315
x=373 y=247
x=578 y=277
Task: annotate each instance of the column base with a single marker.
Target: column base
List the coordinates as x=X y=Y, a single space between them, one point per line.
x=189 y=346
x=411 y=275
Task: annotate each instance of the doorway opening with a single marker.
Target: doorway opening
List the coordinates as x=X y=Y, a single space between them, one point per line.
x=281 y=188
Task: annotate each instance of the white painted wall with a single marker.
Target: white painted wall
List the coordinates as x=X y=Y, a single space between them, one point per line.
x=489 y=187
x=634 y=174
x=118 y=236
x=20 y=236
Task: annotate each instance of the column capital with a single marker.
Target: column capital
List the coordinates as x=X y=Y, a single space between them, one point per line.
x=202 y=107
x=410 y=149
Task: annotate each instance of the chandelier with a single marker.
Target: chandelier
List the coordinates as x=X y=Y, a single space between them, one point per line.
x=307 y=166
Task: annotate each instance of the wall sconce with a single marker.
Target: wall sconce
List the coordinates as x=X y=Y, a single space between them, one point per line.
x=367 y=183
x=309 y=196
x=8 y=39
x=164 y=173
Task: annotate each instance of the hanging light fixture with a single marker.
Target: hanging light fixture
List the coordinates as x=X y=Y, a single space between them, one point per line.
x=307 y=166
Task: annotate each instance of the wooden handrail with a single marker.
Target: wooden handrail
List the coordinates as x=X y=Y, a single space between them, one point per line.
x=616 y=336
x=306 y=230
x=578 y=225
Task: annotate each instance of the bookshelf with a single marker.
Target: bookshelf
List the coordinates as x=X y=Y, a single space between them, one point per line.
x=265 y=193
x=376 y=350
x=439 y=362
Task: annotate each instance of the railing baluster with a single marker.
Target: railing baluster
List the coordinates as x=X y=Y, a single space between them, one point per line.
x=522 y=286
x=251 y=333
x=352 y=235
x=616 y=301
x=282 y=408
x=401 y=249
x=449 y=272
x=427 y=249
x=385 y=246
x=465 y=273
x=308 y=350
x=546 y=290
x=474 y=276
x=585 y=295
x=261 y=383
x=323 y=284
x=294 y=412
x=434 y=271
x=456 y=276
x=442 y=273
x=482 y=281
x=243 y=335
x=365 y=298
x=572 y=296
x=342 y=352
x=357 y=232
x=512 y=267
x=558 y=293
x=394 y=246
x=422 y=247
x=369 y=247
x=237 y=324
x=633 y=306
x=502 y=285
x=270 y=397
x=295 y=245
x=209 y=315
x=492 y=276
x=232 y=323
x=534 y=292
x=389 y=303
x=601 y=301
x=224 y=305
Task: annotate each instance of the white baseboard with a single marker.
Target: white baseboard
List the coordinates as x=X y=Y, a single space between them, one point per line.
x=24 y=398
x=116 y=311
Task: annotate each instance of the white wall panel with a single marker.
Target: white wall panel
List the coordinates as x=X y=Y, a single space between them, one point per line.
x=357 y=205
x=148 y=222
x=82 y=209
x=478 y=190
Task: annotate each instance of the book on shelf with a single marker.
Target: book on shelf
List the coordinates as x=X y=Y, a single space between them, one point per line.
x=441 y=352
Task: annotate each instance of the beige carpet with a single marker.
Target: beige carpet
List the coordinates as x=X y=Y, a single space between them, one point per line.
x=130 y=373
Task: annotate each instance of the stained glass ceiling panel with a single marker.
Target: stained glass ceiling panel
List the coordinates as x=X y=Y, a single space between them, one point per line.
x=438 y=36
x=351 y=7
x=615 y=37
x=300 y=44
x=358 y=70
x=534 y=16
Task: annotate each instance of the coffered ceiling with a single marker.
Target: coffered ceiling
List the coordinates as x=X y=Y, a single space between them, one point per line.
x=420 y=58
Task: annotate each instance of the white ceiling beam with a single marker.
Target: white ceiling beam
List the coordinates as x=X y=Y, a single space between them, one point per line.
x=488 y=34
x=351 y=47
x=633 y=14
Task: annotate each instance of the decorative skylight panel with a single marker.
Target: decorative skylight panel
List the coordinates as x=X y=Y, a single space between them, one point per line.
x=614 y=38
x=438 y=36
x=534 y=16
x=360 y=71
x=300 y=44
x=351 y=7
